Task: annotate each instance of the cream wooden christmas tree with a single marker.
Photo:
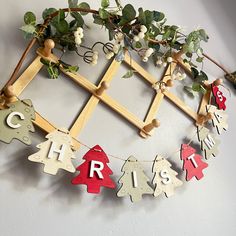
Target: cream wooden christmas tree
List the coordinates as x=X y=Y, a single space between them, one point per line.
x=165 y=179
x=55 y=153
x=134 y=181
x=219 y=119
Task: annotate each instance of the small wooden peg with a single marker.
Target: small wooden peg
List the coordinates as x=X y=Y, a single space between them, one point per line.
x=154 y=124
x=218 y=82
x=169 y=83
x=48 y=46
x=204 y=118
x=9 y=94
x=104 y=85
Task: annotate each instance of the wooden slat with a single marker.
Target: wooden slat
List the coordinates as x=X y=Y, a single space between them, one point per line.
x=106 y=99
x=93 y=101
x=204 y=102
x=47 y=127
x=134 y=65
x=27 y=76
x=181 y=105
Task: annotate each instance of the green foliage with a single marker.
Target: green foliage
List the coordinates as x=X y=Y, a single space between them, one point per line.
x=128 y=14
x=30 y=18
x=84 y=5
x=128 y=74
x=105 y=3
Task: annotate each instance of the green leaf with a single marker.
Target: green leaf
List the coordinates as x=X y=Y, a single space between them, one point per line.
x=73 y=3
x=141 y=16
x=128 y=14
x=203 y=35
x=158 y=16
x=97 y=20
x=79 y=18
x=196 y=87
x=105 y=3
x=45 y=62
x=128 y=74
x=195 y=72
x=149 y=15
x=84 y=5
x=48 y=12
x=53 y=72
x=200 y=59
x=30 y=18
x=138 y=45
x=61 y=15
x=103 y=14
x=154 y=45
x=189 y=91
x=29 y=29
x=62 y=26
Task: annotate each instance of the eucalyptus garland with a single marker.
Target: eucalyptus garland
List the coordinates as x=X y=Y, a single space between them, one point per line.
x=145 y=32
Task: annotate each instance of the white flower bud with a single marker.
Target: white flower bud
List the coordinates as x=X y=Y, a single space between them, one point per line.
x=143 y=28
x=145 y=59
x=141 y=35
x=80 y=30
x=149 y=52
x=136 y=38
x=116 y=48
x=169 y=59
x=164 y=64
x=95 y=56
x=109 y=55
x=78 y=41
x=76 y=34
x=93 y=62
x=184 y=76
x=119 y=36
x=81 y=35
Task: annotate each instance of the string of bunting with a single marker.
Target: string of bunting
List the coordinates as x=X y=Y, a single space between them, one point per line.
x=57 y=153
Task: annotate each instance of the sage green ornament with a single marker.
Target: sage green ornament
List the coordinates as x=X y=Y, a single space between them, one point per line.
x=16 y=122
x=134 y=181
x=209 y=144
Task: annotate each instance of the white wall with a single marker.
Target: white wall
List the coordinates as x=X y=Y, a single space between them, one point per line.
x=33 y=203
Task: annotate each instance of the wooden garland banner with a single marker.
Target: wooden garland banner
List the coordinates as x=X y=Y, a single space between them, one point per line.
x=57 y=152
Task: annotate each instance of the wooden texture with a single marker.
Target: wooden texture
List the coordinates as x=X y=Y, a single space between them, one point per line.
x=134 y=181
x=16 y=122
x=55 y=153
x=165 y=179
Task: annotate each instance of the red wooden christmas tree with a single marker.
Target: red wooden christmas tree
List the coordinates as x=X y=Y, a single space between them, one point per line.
x=94 y=172
x=193 y=163
x=220 y=99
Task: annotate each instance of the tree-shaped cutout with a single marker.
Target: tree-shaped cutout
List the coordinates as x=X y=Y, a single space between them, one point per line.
x=94 y=172
x=192 y=162
x=134 y=181
x=55 y=153
x=219 y=119
x=16 y=122
x=209 y=144
x=165 y=179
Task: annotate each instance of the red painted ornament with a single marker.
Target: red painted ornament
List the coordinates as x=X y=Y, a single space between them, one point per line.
x=193 y=163
x=219 y=97
x=94 y=172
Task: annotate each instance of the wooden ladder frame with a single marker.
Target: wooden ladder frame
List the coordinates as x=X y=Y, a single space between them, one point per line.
x=98 y=94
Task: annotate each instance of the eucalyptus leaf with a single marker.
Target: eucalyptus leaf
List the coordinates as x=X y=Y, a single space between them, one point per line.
x=103 y=14
x=84 y=5
x=62 y=26
x=30 y=18
x=78 y=18
x=53 y=72
x=128 y=74
x=29 y=29
x=105 y=3
x=47 y=12
x=128 y=14
x=73 y=3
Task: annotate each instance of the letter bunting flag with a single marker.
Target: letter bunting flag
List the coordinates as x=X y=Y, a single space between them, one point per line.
x=57 y=153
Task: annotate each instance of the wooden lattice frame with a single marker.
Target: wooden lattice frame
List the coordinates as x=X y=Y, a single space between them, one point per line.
x=98 y=94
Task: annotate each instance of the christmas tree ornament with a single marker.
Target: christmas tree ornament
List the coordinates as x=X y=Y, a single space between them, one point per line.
x=192 y=162
x=209 y=144
x=165 y=179
x=55 y=153
x=94 y=172
x=220 y=99
x=134 y=181
x=16 y=122
x=219 y=119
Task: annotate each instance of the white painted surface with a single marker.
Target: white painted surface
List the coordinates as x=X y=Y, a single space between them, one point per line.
x=33 y=203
